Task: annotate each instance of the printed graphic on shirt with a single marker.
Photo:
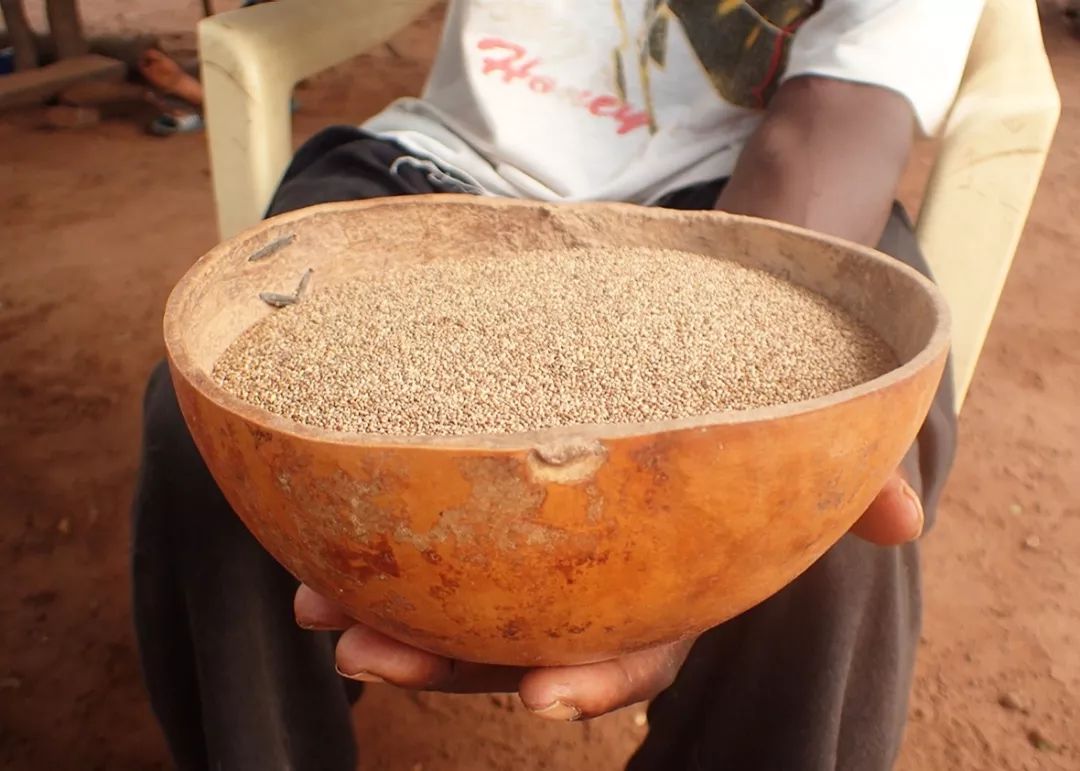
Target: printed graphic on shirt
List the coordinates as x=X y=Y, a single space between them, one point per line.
x=742 y=45
x=512 y=63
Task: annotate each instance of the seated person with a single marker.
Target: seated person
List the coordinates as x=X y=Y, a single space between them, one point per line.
x=801 y=111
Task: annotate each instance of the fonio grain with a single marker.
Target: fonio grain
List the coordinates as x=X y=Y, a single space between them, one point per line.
x=547 y=339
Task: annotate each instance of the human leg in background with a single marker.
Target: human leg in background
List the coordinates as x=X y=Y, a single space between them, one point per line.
x=817 y=676
x=235 y=683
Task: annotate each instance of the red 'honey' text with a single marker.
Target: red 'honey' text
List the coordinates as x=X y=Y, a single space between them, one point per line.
x=514 y=65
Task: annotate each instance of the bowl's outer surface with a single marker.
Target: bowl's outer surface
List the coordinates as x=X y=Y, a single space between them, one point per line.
x=564 y=546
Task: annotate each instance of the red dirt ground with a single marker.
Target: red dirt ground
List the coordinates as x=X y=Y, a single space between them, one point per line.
x=97 y=225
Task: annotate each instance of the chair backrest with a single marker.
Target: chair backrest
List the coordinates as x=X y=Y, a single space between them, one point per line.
x=993 y=148
x=251 y=59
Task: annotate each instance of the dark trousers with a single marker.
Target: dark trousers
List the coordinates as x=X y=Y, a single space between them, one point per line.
x=814 y=678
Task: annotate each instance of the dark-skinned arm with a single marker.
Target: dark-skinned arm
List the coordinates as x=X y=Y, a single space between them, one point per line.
x=828 y=156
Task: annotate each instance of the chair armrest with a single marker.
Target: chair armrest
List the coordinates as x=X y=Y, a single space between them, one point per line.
x=993 y=150
x=250 y=61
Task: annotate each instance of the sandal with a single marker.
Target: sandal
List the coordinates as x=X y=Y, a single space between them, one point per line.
x=166 y=125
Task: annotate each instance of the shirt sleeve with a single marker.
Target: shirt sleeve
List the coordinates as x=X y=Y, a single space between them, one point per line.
x=917 y=48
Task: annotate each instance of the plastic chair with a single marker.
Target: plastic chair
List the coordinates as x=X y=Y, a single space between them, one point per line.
x=993 y=146
x=251 y=59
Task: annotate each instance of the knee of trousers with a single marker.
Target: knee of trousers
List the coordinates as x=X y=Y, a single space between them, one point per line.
x=165 y=434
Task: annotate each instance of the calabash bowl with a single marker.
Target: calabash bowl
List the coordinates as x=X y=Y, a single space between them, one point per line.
x=564 y=545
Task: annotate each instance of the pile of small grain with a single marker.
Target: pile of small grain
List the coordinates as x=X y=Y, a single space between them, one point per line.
x=545 y=339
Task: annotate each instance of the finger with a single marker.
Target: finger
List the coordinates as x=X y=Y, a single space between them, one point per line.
x=895 y=516
x=590 y=690
x=364 y=654
x=481 y=678
x=313 y=611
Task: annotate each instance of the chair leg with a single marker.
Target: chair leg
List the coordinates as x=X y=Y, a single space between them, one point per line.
x=21 y=35
x=65 y=25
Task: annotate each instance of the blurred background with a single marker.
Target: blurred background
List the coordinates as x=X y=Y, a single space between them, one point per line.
x=98 y=219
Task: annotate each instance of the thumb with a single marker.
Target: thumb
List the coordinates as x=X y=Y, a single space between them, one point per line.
x=895 y=516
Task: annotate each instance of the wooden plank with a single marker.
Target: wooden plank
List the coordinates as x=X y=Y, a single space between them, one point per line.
x=101 y=93
x=44 y=83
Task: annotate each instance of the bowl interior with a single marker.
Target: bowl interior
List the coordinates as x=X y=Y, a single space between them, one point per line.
x=218 y=299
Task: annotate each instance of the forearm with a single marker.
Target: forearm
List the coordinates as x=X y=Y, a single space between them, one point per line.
x=828 y=156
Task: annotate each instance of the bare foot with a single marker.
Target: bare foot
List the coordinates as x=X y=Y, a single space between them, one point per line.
x=168 y=77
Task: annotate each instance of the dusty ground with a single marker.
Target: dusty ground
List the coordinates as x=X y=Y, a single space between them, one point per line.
x=97 y=225
x=123 y=16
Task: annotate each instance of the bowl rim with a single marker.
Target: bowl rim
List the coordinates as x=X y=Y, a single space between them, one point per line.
x=180 y=360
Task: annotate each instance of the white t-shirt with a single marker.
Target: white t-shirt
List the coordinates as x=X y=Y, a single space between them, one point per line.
x=627 y=100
